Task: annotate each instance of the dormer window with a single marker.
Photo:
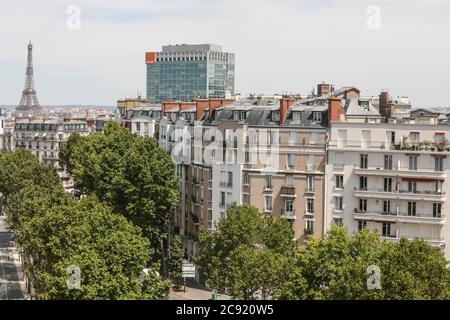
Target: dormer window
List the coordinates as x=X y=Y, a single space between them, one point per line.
x=296 y=117
x=243 y=115
x=364 y=105
x=236 y=115
x=276 y=115
x=317 y=117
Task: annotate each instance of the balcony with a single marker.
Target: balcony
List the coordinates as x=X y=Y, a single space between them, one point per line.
x=422 y=218
x=413 y=147
x=402 y=172
x=434 y=196
x=435 y=242
x=225 y=184
x=288 y=192
x=288 y=214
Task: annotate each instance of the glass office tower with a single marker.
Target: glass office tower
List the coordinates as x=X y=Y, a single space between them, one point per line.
x=184 y=72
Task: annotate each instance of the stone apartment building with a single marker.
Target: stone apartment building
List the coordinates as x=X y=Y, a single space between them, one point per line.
x=271 y=156
x=388 y=170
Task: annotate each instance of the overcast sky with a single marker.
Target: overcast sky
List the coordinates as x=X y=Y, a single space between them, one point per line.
x=280 y=45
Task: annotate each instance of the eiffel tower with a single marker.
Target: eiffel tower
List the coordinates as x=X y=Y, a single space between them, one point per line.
x=29 y=102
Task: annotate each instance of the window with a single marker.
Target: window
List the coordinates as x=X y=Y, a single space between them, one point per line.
x=289 y=180
x=310 y=183
x=292 y=137
x=246 y=198
x=339 y=204
x=209 y=195
x=290 y=160
x=314 y=138
x=363 y=205
x=363 y=183
x=209 y=215
x=268 y=182
x=339 y=182
x=386 y=206
x=386 y=231
x=309 y=206
x=363 y=163
x=338 y=222
x=276 y=115
x=309 y=225
x=439 y=137
x=222 y=199
x=311 y=162
x=412 y=187
x=289 y=205
x=387 y=162
x=362 y=225
x=412 y=209
x=230 y=179
x=268 y=204
x=439 y=164
x=317 y=117
x=390 y=137
x=414 y=137
x=210 y=174
x=247 y=157
x=246 y=178
x=296 y=117
x=413 y=163
x=437 y=210
x=387 y=184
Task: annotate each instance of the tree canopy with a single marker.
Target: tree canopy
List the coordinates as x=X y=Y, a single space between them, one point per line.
x=56 y=232
x=130 y=173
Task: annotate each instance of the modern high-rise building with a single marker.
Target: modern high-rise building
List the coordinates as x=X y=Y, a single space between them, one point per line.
x=184 y=72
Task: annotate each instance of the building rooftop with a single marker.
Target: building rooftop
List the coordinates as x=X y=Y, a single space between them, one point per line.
x=191 y=47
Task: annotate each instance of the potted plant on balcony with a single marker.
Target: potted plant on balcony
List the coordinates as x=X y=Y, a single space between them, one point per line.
x=405 y=143
x=425 y=145
x=441 y=146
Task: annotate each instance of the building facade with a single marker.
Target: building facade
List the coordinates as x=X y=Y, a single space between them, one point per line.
x=389 y=172
x=185 y=72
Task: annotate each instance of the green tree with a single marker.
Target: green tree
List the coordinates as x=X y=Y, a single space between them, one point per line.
x=229 y=258
x=128 y=172
x=336 y=267
x=176 y=254
x=108 y=250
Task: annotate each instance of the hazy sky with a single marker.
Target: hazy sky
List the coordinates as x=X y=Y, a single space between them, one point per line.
x=280 y=45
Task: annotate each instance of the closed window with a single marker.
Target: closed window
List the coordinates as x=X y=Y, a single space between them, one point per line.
x=437 y=210
x=386 y=230
x=268 y=182
x=412 y=209
x=290 y=160
x=362 y=205
x=439 y=164
x=413 y=163
x=362 y=225
x=363 y=161
x=309 y=205
x=387 y=184
x=292 y=137
x=363 y=183
x=387 y=162
x=268 y=203
x=339 y=182
x=339 y=203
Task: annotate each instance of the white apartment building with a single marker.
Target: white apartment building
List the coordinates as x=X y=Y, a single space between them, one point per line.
x=391 y=177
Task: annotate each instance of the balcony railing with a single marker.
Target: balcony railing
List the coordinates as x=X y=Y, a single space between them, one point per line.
x=288 y=214
x=384 y=145
x=288 y=191
x=406 y=192
x=400 y=214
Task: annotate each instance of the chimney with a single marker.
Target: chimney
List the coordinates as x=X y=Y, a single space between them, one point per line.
x=200 y=106
x=323 y=89
x=334 y=109
x=285 y=105
x=384 y=102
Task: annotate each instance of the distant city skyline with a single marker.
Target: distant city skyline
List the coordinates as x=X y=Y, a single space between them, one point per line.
x=299 y=45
